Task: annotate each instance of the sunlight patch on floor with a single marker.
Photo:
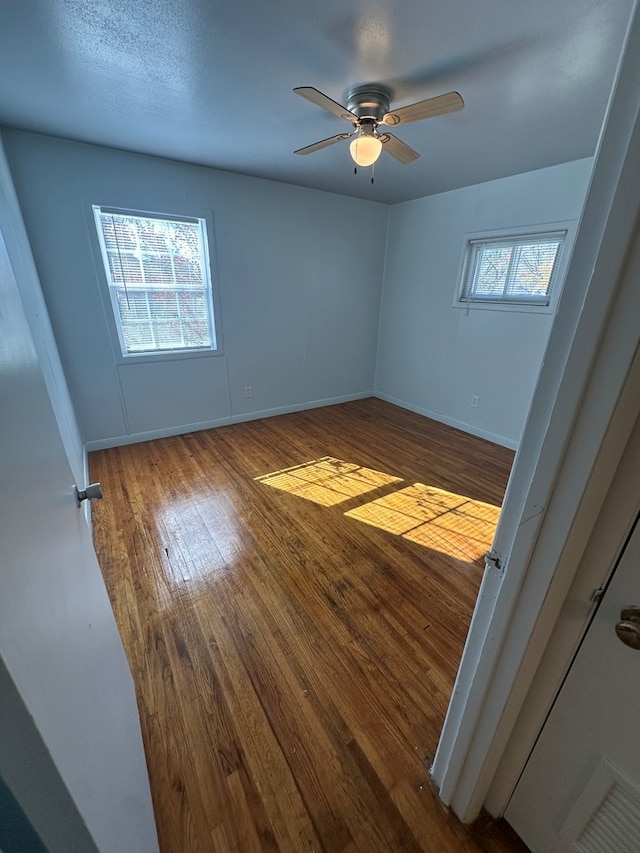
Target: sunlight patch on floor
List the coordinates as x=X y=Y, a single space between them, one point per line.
x=327 y=481
x=438 y=519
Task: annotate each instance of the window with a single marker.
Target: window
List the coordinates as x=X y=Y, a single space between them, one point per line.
x=517 y=270
x=157 y=269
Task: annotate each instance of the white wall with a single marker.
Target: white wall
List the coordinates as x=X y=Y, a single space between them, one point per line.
x=21 y=258
x=299 y=283
x=431 y=356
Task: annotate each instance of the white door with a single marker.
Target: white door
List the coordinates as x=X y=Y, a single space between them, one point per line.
x=580 y=790
x=70 y=749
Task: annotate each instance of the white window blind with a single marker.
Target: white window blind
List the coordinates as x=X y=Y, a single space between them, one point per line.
x=519 y=270
x=159 y=280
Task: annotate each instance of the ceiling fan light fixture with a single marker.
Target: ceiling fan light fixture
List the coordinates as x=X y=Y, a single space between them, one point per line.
x=365 y=149
x=367 y=110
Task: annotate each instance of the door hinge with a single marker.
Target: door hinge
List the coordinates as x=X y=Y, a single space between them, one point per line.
x=596 y=595
x=494 y=558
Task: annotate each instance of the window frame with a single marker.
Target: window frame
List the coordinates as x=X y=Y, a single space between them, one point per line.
x=566 y=227
x=205 y=217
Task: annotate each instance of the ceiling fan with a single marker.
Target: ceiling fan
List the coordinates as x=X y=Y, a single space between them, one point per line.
x=369 y=112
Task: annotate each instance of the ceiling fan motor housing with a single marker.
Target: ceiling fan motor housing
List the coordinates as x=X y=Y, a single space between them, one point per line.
x=369 y=102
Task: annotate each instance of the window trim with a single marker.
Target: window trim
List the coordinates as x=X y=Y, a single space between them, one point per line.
x=566 y=227
x=170 y=211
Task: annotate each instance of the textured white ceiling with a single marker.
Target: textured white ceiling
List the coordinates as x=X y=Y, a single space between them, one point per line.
x=209 y=81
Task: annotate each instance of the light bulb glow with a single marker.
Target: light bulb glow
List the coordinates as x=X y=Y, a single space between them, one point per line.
x=365 y=150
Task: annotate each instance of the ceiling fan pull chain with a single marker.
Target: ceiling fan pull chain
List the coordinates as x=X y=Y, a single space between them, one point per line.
x=355 y=170
x=373 y=171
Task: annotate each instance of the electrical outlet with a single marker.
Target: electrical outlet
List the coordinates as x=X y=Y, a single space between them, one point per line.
x=248 y=391
x=474 y=401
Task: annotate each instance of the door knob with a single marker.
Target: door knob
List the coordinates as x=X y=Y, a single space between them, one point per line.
x=90 y=493
x=628 y=628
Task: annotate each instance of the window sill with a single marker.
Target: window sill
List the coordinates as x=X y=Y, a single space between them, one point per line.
x=175 y=355
x=508 y=307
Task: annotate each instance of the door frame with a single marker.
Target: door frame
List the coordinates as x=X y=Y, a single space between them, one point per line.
x=608 y=540
x=580 y=419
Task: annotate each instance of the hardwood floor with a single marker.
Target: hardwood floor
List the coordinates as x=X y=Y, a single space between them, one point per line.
x=293 y=595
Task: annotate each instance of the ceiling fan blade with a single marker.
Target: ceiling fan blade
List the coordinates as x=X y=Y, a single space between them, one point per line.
x=324 y=101
x=437 y=106
x=398 y=149
x=309 y=149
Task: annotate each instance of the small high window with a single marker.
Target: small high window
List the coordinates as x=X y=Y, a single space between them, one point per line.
x=157 y=269
x=517 y=270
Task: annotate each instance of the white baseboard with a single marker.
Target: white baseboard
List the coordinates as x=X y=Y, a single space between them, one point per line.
x=136 y=438
x=452 y=422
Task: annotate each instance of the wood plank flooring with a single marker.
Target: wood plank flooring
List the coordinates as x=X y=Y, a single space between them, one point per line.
x=293 y=595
